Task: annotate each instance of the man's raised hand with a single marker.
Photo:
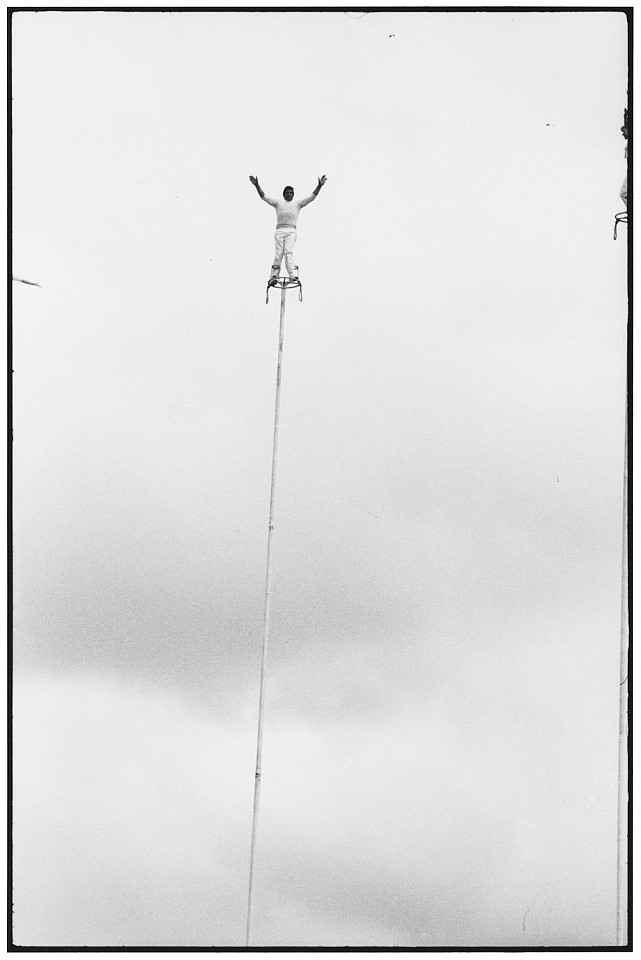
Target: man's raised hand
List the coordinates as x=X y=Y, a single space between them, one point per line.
x=261 y=192
x=321 y=181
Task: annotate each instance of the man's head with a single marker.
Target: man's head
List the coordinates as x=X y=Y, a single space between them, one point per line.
x=288 y=193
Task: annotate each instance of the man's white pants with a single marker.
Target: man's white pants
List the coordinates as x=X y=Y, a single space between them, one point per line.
x=284 y=240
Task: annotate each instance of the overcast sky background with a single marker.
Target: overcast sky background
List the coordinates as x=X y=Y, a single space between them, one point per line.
x=440 y=755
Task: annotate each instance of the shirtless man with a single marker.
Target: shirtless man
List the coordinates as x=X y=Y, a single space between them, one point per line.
x=287 y=211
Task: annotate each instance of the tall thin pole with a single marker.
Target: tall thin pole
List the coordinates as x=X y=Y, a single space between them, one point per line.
x=261 y=698
x=622 y=826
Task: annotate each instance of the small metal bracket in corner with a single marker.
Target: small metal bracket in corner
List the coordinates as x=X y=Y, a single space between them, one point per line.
x=620 y=218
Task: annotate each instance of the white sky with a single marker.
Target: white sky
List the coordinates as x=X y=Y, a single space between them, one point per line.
x=441 y=722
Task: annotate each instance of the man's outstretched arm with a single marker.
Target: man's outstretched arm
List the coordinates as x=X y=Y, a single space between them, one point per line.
x=261 y=192
x=315 y=192
x=321 y=182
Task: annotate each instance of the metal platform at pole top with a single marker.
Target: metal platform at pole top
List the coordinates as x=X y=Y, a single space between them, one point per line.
x=284 y=283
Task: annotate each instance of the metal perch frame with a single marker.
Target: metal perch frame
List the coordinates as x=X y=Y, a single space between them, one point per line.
x=285 y=283
x=620 y=218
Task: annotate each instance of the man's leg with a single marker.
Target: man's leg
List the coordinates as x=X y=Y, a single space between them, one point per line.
x=278 y=254
x=290 y=240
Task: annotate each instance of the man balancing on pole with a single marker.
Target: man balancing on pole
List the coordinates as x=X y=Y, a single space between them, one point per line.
x=287 y=211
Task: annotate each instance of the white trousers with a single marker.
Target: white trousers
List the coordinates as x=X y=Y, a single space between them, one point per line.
x=284 y=240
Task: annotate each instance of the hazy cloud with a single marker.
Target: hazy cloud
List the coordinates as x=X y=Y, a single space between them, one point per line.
x=133 y=811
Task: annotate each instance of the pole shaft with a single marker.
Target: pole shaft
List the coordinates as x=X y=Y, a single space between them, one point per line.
x=622 y=824
x=261 y=698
